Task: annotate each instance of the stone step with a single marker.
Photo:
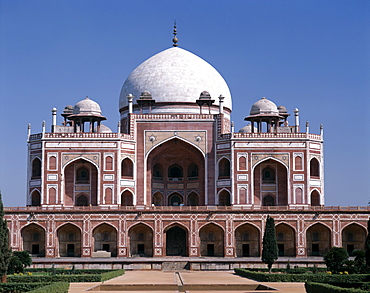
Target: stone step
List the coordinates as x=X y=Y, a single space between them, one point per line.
x=175 y=265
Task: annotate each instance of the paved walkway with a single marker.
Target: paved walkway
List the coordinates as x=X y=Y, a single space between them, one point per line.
x=184 y=281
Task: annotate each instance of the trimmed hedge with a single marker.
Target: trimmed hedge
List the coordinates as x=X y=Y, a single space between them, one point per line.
x=66 y=278
x=319 y=287
x=19 y=287
x=67 y=271
x=60 y=287
x=299 y=270
x=319 y=278
x=363 y=285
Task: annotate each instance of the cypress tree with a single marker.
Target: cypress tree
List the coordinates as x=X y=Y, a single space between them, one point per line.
x=367 y=244
x=5 y=252
x=269 y=244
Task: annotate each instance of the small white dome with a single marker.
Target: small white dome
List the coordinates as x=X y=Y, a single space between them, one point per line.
x=88 y=107
x=175 y=76
x=105 y=129
x=264 y=106
x=246 y=129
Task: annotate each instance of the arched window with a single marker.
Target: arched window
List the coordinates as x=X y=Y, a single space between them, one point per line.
x=175 y=172
x=108 y=163
x=157 y=199
x=127 y=169
x=242 y=163
x=315 y=198
x=82 y=176
x=268 y=200
x=108 y=195
x=52 y=196
x=298 y=196
x=157 y=172
x=268 y=175
x=224 y=169
x=82 y=201
x=36 y=168
x=193 y=199
x=35 y=199
x=52 y=163
x=224 y=198
x=315 y=168
x=298 y=163
x=193 y=171
x=126 y=198
x=175 y=200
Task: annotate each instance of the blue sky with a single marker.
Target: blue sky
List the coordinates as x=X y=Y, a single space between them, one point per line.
x=313 y=55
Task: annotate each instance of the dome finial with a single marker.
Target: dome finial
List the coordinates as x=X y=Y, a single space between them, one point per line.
x=174 y=40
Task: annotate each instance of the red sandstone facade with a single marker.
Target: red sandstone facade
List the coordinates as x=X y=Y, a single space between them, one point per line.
x=173 y=182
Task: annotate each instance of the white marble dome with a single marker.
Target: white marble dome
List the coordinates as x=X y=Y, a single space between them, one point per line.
x=264 y=106
x=176 y=76
x=88 y=107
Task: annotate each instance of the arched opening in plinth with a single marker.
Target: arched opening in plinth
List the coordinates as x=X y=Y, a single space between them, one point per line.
x=141 y=241
x=69 y=238
x=175 y=166
x=247 y=241
x=285 y=237
x=105 y=239
x=211 y=240
x=318 y=240
x=33 y=237
x=353 y=237
x=176 y=241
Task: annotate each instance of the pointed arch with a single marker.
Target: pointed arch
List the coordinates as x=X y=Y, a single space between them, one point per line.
x=141 y=240
x=127 y=198
x=315 y=198
x=353 y=237
x=318 y=237
x=69 y=239
x=36 y=168
x=176 y=240
x=192 y=199
x=211 y=240
x=175 y=199
x=285 y=236
x=224 y=197
x=224 y=168
x=270 y=180
x=158 y=199
x=35 y=198
x=105 y=238
x=314 y=168
x=33 y=239
x=127 y=168
x=80 y=173
x=82 y=200
x=247 y=240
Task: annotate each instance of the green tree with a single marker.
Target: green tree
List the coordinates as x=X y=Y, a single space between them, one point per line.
x=335 y=259
x=5 y=252
x=19 y=261
x=269 y=244
x=367 y=244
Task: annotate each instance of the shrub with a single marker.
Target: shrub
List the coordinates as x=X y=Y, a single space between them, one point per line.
x=335 y=259
x=319 y=287
x=19 y=287
x=60 y=287
x=19 y=261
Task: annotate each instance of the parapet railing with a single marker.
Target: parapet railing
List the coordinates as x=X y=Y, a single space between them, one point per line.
x=278 y=135
x=173 y=116
x=137 y=208
x=80 y=135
